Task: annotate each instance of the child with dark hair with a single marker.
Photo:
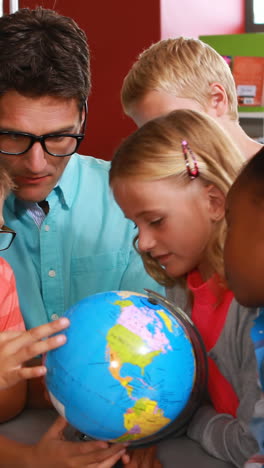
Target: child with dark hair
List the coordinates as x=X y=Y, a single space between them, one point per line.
x=244 y=266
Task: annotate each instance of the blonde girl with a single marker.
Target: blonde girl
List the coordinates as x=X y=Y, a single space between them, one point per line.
x=171 y=177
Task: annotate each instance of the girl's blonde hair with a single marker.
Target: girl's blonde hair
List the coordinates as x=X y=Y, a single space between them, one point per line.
x=155 y=152
x=6 y=183
x=182 y=66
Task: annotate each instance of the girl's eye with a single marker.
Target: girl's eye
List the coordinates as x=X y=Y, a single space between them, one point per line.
x=156 y=221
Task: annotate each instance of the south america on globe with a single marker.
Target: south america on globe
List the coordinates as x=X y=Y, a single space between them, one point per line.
x=129 y=368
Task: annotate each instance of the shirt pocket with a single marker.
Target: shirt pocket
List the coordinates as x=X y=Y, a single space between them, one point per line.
x=92 y=264
x=97 y=273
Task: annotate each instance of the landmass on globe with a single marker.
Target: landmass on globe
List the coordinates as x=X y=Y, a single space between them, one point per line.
x=131 y=341
x=144 y=419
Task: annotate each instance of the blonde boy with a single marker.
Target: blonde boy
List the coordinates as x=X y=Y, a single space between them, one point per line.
x=184 y=73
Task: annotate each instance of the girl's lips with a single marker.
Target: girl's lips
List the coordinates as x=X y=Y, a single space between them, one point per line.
x=163 y=259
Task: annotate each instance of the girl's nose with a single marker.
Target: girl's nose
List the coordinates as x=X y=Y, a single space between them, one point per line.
x=146 y=241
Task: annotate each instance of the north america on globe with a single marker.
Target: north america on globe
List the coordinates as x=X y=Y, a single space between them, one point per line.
x=137 y=338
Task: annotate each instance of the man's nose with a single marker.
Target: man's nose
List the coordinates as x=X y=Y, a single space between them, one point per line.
x=35 y=158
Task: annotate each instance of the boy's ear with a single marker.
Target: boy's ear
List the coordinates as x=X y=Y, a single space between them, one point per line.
x=218 y=101
x=216 y=200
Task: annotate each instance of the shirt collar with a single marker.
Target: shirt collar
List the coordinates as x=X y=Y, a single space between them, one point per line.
x=67 y=185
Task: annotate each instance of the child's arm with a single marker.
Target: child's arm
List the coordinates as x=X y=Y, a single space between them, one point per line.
x=222 y=435
x=18 y=347
x=12 y=401
x=53 y=451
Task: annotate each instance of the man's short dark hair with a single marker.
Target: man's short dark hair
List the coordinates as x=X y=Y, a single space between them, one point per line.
x=43 y=53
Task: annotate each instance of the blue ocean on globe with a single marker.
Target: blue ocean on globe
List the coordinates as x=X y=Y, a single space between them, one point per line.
x=127 y=370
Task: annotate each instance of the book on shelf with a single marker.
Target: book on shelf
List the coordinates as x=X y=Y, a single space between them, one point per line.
x=248 y=73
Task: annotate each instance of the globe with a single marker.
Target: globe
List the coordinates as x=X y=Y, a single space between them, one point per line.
x=133 y=368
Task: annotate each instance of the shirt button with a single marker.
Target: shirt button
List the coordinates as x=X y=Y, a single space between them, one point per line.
x=54 y=317
x=47 y=228
x=52 y=273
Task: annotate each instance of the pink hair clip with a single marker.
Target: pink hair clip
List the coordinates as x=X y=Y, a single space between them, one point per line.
x=187 y=153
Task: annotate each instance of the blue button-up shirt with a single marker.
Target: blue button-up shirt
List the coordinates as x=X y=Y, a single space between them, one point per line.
x=257 y=423
x=83 y=246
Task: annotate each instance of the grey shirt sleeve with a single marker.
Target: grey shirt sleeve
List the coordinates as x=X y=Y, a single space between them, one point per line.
x=222 y=435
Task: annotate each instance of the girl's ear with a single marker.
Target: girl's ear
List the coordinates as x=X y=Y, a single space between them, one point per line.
x=216 y=200
x=218 y=101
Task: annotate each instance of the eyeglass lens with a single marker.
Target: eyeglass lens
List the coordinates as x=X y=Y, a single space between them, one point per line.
x=6 y=239
x=58 y=144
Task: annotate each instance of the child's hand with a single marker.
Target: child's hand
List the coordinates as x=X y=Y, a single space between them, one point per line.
x=54 y=452
x=143 y=458
x=17 y=347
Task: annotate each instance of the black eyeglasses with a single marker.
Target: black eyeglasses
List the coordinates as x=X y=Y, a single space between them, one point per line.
x=6 y=237
x=55 y=144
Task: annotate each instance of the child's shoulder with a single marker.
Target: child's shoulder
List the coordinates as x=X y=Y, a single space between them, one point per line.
x=6 y=271
x=257 y=331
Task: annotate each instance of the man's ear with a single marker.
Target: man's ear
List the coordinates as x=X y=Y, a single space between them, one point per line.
x=84 y=113
x=216 y=199
x=218 y=101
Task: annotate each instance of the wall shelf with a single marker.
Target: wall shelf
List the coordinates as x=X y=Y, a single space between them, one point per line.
x=251 y=112
x=251 y=115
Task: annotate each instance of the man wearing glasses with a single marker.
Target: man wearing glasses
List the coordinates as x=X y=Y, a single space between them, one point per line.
x=72 y=239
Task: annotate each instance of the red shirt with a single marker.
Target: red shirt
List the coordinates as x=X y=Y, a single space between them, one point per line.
x=210 y=307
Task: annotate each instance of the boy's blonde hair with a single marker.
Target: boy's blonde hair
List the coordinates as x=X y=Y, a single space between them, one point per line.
x=155 y=152
x=184 y=67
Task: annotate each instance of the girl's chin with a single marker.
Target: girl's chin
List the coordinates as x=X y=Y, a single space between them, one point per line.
x=173 y=274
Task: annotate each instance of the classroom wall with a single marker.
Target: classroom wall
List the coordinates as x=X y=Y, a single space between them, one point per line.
x=199 y=17
x=117 y=32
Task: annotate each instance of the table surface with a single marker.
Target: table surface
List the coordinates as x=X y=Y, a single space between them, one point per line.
x=180 y=452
